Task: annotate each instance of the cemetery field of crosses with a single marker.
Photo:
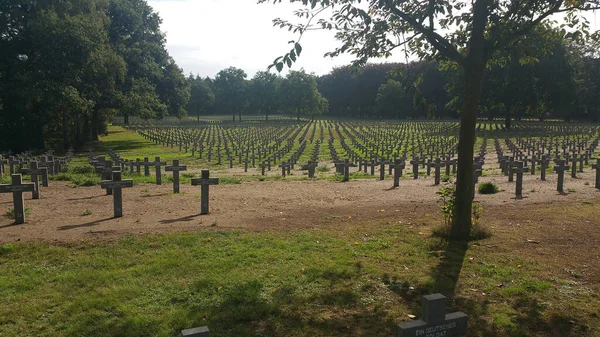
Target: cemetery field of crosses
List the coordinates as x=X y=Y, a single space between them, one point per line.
x=359 y=192
x=396 y=169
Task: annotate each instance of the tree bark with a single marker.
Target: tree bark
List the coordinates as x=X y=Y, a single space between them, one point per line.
x=95 y=125
x=474 y=70
x=65 y=130
x=126 y=119
x=507 y=120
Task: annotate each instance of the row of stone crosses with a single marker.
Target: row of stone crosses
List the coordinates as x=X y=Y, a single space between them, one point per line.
x=110 y=171
x=37 y=168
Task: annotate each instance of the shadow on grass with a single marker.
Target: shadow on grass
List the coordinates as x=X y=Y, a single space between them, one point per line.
x=183 y=219
x=244 y=311
x=87 y=224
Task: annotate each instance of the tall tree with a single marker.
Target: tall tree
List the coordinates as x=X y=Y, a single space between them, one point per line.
x=468 y=34
x=230 y=88
x=201 y=97
x=262 y=93
x=299 y=94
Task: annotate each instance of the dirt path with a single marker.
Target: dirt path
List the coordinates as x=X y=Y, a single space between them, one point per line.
x=276 y=205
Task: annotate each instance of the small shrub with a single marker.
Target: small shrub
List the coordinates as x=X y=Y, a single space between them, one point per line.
x=86 y=212
x=261 y=178
x=571 y=190
x=229 y=181
x=87 y=169
x=487 y=188
x=445 y=178
x=214 y=223
x=447 y=195
x=323 y=168
x=340 y=177
x=11 y=212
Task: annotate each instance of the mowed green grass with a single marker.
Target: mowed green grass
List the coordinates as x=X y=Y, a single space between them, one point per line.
x=303 y=283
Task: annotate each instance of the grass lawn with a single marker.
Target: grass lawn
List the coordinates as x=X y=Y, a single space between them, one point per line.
x=303 y=283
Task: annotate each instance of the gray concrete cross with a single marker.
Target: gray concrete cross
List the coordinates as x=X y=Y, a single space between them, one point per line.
x=434 y=320
x=157 y=164
x=176 y=168
x=205 y=181
x=35 y=172
x=17 y=187
x=117 y=185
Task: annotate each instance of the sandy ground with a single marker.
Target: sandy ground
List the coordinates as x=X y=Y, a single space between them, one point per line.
x=282 y=205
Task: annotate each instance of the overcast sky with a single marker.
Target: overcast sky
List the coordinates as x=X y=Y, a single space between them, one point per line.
x=206 y=36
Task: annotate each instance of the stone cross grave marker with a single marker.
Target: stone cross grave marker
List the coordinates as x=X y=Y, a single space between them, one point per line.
x=205 y=181
x=560 y=169
x=437 y=165
x=283 y=166
x=17 y=187
x=195 y=332
x=157 y=164
x=117 y=185
x=146 y=164
x=12 y=162
x=105 y=171
x=434 y=322
x=519 y=170
x=574 y=166
x=544 y=162
x=597 y=168
x=398 y=167
x=2 y=163
x=415 y=167
x=176 y=168
x=311 y=168
x=35 y=171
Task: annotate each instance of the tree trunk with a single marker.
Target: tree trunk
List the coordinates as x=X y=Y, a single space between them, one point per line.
x=507 y=120
x=65 y=131
x=234 y=115
x=126 y=119
x=474 y=70
x=297 y=114
x=95 y=125
x=240 y=116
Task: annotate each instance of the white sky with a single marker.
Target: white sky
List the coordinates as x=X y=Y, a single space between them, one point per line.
x=206 y=36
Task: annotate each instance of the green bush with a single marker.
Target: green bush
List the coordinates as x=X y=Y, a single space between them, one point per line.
x=87 y=169
x=487 y=188
x=323 y=168
x=446 y=197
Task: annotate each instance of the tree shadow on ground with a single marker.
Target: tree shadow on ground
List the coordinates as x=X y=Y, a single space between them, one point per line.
x=245 y=311
x=183 y=219
x=87 y=224
x=525 y=316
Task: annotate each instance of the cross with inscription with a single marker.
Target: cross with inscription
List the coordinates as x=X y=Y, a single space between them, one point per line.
x=204 y=182
x=117 y=185
x=157 y=164
x=17 y=188
x=176 y=168
x=35 y=171
x=434 y=322
x=519 y=170
x=560 y=169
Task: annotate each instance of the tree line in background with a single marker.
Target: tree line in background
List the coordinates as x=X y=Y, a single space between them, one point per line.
x=66 y=68
x=560 y=84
